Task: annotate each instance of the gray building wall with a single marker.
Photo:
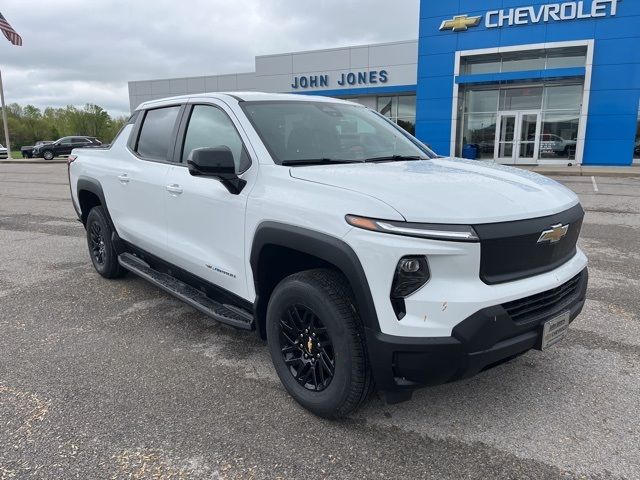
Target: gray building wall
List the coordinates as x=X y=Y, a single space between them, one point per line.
x=276 y=73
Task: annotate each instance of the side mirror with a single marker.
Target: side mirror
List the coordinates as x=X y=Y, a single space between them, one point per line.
x=216 y=162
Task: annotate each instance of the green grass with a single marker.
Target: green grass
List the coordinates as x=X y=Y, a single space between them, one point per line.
x=16 y=154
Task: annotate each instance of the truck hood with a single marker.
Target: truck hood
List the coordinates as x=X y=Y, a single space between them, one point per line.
x=448 y=190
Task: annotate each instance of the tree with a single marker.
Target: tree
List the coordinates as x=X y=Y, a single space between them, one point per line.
x=29 y=124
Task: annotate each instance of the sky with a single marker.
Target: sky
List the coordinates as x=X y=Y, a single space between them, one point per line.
x=76 y=52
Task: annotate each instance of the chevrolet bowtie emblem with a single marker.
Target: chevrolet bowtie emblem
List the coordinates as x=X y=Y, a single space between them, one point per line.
x=555 y=234
x=460 y=23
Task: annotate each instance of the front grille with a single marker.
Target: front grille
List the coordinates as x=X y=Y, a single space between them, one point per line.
x=542 y=304
x=510 y=250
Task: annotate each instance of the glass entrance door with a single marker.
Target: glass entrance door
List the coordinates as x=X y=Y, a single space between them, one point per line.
x=518 y=138
x=506 y=144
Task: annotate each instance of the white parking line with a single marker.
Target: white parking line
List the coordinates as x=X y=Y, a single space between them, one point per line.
x=595 y=185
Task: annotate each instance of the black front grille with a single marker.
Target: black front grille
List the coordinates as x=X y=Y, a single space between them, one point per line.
x=510 y=250
x=543 y=304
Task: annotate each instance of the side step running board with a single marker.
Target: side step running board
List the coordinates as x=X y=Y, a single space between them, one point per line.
x=228 y=314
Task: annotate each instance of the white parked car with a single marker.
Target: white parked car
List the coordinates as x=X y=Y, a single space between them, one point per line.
x=363 y=259
x=3 y=152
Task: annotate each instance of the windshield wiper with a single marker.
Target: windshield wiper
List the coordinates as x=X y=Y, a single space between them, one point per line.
x=318 y=161
x=395 y=158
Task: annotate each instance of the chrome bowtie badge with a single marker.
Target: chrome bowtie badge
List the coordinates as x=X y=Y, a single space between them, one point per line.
x=554 y=234
x=460 y=23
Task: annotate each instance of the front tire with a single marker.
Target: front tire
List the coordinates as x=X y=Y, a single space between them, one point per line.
x=316 y=341
x=47 y=155
x=101 y=250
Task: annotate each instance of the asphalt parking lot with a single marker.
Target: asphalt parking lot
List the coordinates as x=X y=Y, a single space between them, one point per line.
x=116 y=379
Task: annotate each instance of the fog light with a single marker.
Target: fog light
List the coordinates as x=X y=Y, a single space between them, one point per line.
x=410 y=275
x=409 y=265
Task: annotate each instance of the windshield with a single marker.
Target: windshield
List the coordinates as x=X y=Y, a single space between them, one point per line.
x=299 y=131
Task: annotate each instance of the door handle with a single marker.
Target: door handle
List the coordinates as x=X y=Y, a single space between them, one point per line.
x=124 y=178
x=175 y=189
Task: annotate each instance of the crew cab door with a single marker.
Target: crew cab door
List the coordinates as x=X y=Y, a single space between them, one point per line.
x=136 y=194
x=205 y=221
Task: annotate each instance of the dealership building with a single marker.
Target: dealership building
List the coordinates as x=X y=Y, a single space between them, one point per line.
x=517 y=81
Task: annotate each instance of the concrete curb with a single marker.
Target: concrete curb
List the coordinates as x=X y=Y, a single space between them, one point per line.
x=579 y=171
x=32 y=161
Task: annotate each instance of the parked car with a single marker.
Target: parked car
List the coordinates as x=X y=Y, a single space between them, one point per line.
x=636 y=151
x=63 y=146
x=363 y=259
x=3 y=152
x=27 y=150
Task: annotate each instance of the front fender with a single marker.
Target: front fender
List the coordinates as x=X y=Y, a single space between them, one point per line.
x=324 y=247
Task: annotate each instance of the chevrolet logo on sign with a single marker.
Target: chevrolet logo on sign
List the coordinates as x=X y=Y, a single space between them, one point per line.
x=534 y=14
x=460 y=23
x=555 y=234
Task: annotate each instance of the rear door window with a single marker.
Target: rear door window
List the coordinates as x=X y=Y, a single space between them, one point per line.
x=156 y=133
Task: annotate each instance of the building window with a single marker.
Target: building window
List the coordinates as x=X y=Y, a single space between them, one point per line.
x=554 y=111
x=480 y=129
x=559 y=135
x=400 y=109
x=525 y=98
x=524 y=61
x=636 y=149
x=521 y=62
x=479 y=120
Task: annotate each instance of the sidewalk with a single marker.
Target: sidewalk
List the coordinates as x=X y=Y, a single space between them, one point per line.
x=585 y=171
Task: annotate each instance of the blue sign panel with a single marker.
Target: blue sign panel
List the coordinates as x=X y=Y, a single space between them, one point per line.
x=612 y=97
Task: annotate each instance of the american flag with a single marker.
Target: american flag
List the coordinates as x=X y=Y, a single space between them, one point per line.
x=9 y=32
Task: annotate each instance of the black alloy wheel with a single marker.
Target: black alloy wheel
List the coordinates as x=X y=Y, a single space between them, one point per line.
x=96 y=243
x=307 y=348
x=316 y=341
x=99 y=240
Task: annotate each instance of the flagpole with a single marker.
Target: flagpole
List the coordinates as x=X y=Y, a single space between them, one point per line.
x=4 y=119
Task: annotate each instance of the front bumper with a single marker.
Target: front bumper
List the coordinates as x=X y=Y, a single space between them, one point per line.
x=483 y=340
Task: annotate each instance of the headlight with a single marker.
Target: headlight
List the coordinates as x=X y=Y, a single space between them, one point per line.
x=457 y=233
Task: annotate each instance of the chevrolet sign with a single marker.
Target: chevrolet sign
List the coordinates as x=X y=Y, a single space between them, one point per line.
x=553 y=12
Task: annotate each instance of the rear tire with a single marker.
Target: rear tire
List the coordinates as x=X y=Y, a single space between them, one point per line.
x=101 y=250
x=316 y=341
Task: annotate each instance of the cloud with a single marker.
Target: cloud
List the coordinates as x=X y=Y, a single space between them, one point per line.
x=78 y=52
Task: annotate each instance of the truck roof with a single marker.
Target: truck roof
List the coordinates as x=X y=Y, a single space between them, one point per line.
x=242 y=96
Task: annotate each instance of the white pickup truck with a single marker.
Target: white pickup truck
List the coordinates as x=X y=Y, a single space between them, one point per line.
x=366 y=261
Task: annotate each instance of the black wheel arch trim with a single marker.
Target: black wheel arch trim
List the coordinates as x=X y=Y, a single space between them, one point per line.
x=324 y=247
x=92 y=185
